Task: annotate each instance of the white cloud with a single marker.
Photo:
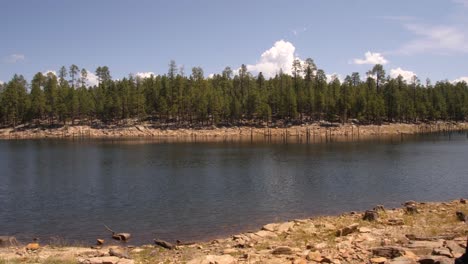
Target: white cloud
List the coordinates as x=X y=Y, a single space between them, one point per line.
x=407 y=75
x=144 y=75
x=1 y=82
x=280 y=56
x=50 y=71
x=210 y=76
x=91 y=79
x=14 y=58
x=371 y=58
x=437 y=39
x=461 y=79
x=333 y=76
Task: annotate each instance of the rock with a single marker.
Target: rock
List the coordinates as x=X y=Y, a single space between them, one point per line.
x=347 y=230
x=435 y=260
x=103 y=260
x=164 y=244
x=395 y=221
x=364 y=230
x=32 y=246
x=370 y=215
x=461 y=216
x=462 y=201
x=8 y=241
x=282 y=250
x=284 y=227
x=402 y=260
x=455 y=248
x=119 y=252
x=378 y=260
x=300 y=261
x=314 y=256
x=270 y=227
x=318 y=246
x=99 y=241
x=411 y=209
x=424 y=247
x=442 y=251
x=388 y=252
x=213 y=259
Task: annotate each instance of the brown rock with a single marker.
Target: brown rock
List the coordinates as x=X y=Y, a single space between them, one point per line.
x=424 y=247
x=103 y=260
x=370 y=215
x=442 y=251
x=461 y=216
x=378 y=260
x=403 y=260
x=388 y=252
x=347 y=230
x=99 y=241
x=282 y=250
x=455 y=248
x=119 y=252
x=463 y=201
x=164 y=244
x=435 y=260
x=411 y=209
x=379 y=208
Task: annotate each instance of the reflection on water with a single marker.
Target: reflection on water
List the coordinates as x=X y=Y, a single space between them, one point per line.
x=200 y=190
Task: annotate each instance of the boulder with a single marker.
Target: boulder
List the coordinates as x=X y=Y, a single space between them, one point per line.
x=435 y=260
x=411 y=209
x=270 y=227
x=314 y=256
x=370 y=215
x=442 y=251
x=388 y=252
x=461 y=216
x=424 y=247
x=395 y=221
x=378 y=260
x=119 y=252
x=284 y=227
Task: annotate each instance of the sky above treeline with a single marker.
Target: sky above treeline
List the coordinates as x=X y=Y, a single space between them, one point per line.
x=426 y=38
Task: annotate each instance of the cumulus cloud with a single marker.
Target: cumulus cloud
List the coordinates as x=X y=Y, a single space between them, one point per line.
x=91 y=79
x=1 y=82
x=14 y=58
x=461 y=79
x=371 y=58
x=50 y=71
x=437 y=39
x=280 y=56
x=144 y=75
x=407 y=75
x=333 y=76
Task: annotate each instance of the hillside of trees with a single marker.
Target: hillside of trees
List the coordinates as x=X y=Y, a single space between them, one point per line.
x=229 y=98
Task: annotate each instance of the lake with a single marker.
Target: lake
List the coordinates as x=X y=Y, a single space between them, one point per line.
x=66 y=190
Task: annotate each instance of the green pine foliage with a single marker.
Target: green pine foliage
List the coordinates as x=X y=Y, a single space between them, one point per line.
x=229 y=98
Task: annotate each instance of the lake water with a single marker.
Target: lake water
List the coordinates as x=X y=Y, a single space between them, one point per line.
x=197 y=191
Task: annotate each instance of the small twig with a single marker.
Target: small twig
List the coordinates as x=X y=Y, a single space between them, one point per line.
x=112 y=231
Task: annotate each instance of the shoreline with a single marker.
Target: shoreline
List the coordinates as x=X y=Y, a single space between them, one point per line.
x=418 y=231
x=315 y=132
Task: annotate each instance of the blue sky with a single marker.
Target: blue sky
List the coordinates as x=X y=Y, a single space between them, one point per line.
x=428 y=38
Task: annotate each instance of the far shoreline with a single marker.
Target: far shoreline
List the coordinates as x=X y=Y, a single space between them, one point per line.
x=314 y=132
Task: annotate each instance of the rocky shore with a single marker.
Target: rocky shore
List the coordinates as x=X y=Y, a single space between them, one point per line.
x=417 y=232
x=317 y=132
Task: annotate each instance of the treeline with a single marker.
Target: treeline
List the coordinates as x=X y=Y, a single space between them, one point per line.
x=229 y=98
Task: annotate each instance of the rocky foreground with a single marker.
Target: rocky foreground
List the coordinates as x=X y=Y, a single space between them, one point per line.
x=416 y=233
